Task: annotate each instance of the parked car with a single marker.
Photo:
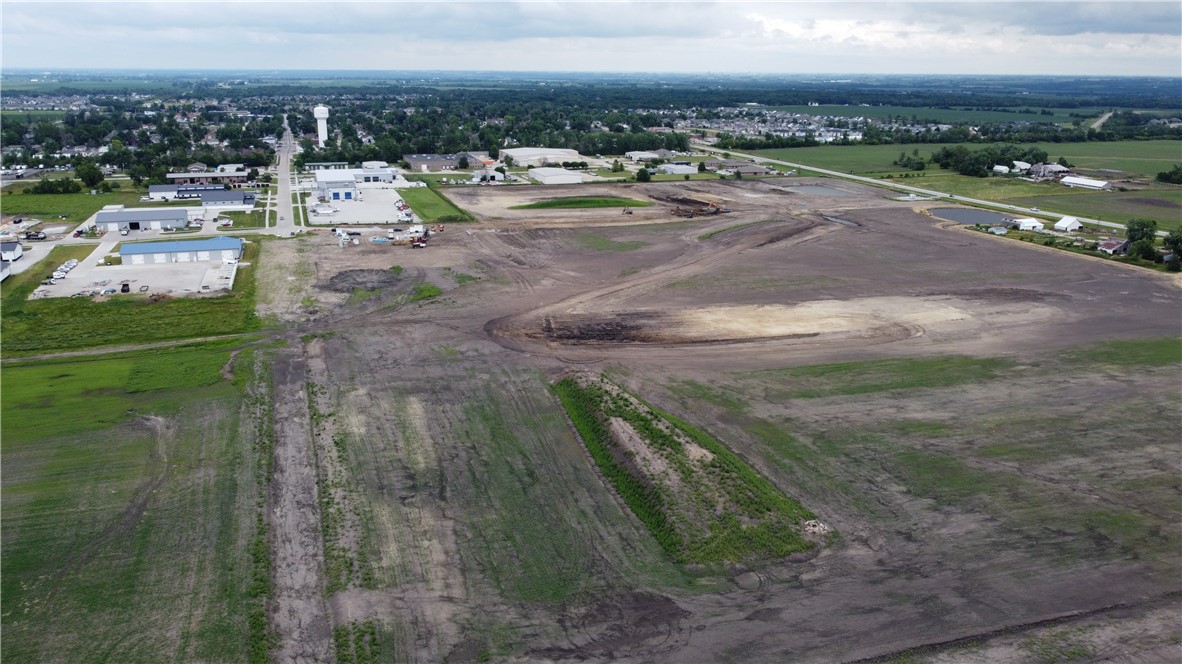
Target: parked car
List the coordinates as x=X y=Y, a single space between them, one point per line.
x=125 y=288
x=35 y=235
x=145 y=199
x=419 y=245
x=110 y=291
x=353 y=233
x=123 y=232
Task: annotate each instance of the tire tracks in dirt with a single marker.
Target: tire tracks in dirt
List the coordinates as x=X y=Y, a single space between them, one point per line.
x=299 y=613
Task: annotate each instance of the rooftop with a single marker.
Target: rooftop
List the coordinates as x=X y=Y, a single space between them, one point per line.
x=205 y=244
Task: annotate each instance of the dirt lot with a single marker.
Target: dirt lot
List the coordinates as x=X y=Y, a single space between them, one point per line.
x=1022 y=498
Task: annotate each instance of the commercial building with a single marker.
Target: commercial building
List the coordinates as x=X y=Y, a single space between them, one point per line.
x=676 y=169
x=168 y=192
x=555 y=176
x=208 y=177
x=214 y=249
x=1085 y=183
x=432 y=162
x=341 y=184
x=641 y=155
x=115 y=218
x=227 y=197
x=538 y=156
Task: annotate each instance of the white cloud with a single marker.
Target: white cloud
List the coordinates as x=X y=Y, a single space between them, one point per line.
x=873 y=37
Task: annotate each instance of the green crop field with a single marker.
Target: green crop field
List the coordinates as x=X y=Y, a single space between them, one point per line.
x=944 y=115
x=128 y=492
x=430 y=205
x=579 y=202
x=55 y=324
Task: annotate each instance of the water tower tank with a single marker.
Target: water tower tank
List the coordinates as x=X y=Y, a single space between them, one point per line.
x=321 y=115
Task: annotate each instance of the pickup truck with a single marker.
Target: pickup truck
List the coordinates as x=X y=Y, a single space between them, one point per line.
x=35 y=235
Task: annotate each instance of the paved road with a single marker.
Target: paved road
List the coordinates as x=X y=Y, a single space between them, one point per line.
x=1103 y=118
x=1004 y=207
x=286 y=147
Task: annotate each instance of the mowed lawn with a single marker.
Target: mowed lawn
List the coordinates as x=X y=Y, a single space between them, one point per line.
x=127 y=492
x=430 y=205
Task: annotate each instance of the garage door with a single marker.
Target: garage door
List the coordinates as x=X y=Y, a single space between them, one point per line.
x=184 y=256
x=336 y=195
x=202 y=255
x=159 y=258
x=137 y=259
x=155 y=225
x=348 y=195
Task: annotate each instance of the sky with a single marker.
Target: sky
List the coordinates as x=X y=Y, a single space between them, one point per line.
x=1117 y=37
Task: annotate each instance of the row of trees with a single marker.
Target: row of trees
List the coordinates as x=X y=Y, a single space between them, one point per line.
x=980 y=163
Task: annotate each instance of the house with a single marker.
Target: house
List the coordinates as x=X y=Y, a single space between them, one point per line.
x=11 y=251
x=1085 y=183
x=555 y=176
x=731 y=164
x=676 y=169
x=1028 y=224
x=115 y=218
x=1068 y=225
x=214 y=249
x=1113 y=247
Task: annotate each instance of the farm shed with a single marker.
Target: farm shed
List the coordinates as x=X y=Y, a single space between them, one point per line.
x=11 y=251
x=1001 y=170
x=555 y=176
x=1068 y=224
x=1028 y=224
x=1112 y=247
x=1085 y=183
x=140 y=219
x=214 y=249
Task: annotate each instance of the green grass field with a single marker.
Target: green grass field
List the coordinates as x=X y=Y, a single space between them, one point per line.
x=128 y=491
x=580 y=202
x=430 y=205
x=76 y=207
x=55 y=324
x=945 y=115
x=254 y=219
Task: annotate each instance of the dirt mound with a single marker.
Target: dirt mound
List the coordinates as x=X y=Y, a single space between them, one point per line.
x=348 y=280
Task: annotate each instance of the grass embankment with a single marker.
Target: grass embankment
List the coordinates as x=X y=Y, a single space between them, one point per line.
x=699 y=500
x=432 y=206
x=581 y=202
x=128 y=495
x=57 y=324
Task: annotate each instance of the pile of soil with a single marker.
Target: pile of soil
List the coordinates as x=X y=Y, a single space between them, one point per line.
x=348 y=280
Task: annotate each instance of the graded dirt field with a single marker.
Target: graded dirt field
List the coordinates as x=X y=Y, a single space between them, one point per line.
x=990 y=430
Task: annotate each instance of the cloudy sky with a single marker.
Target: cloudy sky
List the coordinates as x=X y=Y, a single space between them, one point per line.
x=1117 y=37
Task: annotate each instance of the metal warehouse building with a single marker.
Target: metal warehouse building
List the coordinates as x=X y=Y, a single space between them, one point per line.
x=138 y=219
x=214 y=249
x=555 y=176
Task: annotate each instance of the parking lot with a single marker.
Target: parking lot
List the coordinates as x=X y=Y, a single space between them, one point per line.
x=378 y=205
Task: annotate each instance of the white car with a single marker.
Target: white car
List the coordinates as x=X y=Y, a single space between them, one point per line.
x=123 y=232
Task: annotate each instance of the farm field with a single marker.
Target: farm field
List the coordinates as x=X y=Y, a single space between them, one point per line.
x=944 y=115
x=982 y=447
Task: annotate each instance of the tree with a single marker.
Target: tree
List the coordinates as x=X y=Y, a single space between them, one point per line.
x=463 y=165
x=1172 y=176
x=643 y=175
x=687 y=176
x=1140 y=229
x=617 y=167
x=1173 y=241
x=701 y=167
x=90 y=174
x=1143 y=249
x=1064 y=163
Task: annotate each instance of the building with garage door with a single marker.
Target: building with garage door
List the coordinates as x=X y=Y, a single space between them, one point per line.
x=341 y=184
x=208 y=250
x=555 y=176
x=119 y=219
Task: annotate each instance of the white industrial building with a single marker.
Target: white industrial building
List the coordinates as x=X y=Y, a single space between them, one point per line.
x=641 y=155
x=340 y=184
x=555 y=176
x=1068 y=224
x=214 y=249
x=114 y=218
x=539 y=156
x=676 y=169
x=1085 y=183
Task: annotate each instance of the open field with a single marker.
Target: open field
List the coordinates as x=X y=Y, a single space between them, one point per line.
x=579 y=202
x=945 y=115
x=430 y=205
x=129 y=498
x=76 y=207
x=987 y=426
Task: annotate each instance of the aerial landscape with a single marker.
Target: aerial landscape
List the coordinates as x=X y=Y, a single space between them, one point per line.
x=591 y=332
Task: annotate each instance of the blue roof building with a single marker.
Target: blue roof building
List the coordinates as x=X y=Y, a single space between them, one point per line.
x=215 y=249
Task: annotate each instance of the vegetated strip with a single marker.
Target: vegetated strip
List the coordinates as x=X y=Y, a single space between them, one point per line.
x=431 y=205
x=578 y=202
x=700 y=501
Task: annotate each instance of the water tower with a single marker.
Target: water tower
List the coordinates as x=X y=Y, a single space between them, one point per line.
x=321 y=115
